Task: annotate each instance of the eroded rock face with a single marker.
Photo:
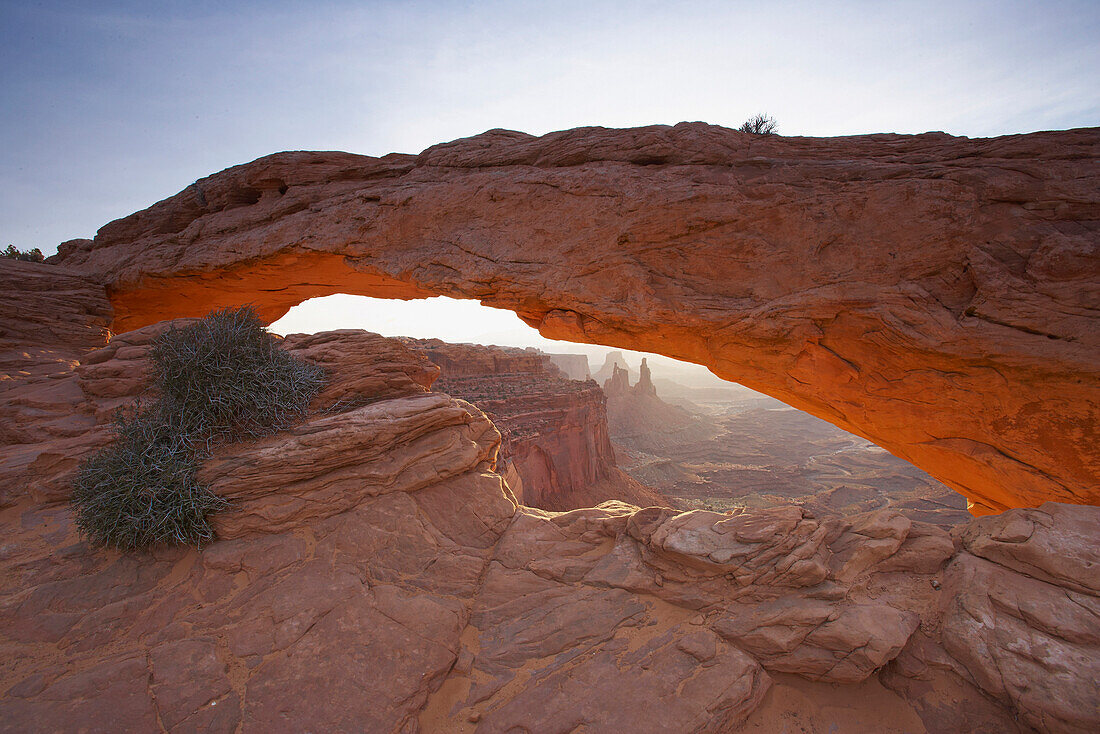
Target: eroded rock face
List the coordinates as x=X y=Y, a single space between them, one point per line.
x=932 y=294
x=50 y=317
x=346 y=565
x=636 y=410
x=1019 y=621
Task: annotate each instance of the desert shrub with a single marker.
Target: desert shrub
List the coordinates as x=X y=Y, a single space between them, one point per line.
x=141 y=490
x=33 y=255
x=759 y=125
x=220 y=379
x=224 y=378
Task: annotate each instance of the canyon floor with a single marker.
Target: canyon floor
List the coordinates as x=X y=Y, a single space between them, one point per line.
x=743 y=449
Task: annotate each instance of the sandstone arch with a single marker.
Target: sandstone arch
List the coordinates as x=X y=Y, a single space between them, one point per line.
x=936 y=295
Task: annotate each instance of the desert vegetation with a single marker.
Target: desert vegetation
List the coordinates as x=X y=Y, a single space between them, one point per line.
x=759 y=125
x=33 y=255
x=218 y=380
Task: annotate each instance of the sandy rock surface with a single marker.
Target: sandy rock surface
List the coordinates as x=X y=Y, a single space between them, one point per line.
x=374 y=573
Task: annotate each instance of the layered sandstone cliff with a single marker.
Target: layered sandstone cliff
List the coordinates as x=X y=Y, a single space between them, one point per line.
x=933 y=294
x=374 y=574
x=555 y=448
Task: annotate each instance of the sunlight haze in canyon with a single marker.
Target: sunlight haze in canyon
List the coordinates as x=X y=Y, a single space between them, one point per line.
x=457 y=321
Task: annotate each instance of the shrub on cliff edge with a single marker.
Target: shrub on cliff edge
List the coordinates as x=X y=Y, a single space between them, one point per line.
x=220 y=379
x=141 y=490
x=759 y=125
x=224 y=378
x=33 y=255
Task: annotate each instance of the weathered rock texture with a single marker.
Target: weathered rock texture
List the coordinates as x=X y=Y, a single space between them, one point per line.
x=50 y=317
x=936 y=295
x=374 y=574
x=333 y=600
x=555 y=449
x=1019 y=620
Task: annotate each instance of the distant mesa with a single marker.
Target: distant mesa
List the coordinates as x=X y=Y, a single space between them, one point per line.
x=611 y=362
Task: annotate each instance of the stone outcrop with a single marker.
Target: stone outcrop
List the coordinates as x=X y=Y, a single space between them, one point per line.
x=1019 y=617
x=645 y=380
x=555 y=449
x=933 y=294
x=375 y=574
x=458 y=361
x=612 y=361
x=49 y=318
x=619 y=381
x=334 y=598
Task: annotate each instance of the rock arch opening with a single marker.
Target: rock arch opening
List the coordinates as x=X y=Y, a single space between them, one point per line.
x=386 y=517
x=582 y=424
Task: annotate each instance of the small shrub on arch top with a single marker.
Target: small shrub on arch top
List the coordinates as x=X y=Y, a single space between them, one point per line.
x=759 y=125
x=220 y=379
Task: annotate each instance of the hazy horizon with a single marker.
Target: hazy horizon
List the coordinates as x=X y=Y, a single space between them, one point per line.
x=467 y=322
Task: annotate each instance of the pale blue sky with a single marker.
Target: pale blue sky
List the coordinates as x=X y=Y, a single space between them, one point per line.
x=108 y=107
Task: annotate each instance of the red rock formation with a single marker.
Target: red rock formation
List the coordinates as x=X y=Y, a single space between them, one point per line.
x=50 y=317
x=555 y=452
x=637 y=410
x=335 y=598
x=644 y=385
x=474 y=360
x=374 y=574
x=619 y=382
x=607 y=371
x=930 y=293
x=1017 y=621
